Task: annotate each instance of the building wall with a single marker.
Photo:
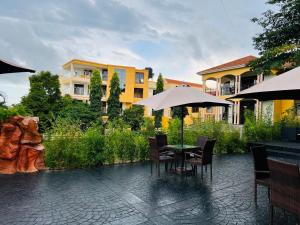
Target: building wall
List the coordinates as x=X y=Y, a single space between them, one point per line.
x=277 y=108
x=75 y=69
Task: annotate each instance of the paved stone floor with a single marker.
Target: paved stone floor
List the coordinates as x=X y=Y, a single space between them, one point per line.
x=128 y=194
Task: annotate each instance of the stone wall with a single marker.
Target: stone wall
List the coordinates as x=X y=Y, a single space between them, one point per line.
x=20 y=146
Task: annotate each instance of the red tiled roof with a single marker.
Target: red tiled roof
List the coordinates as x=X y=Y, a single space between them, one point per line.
x=229 y=65
x=178 y=82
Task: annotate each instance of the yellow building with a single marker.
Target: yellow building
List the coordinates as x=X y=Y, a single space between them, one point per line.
x=171 y=83
x=133 y=82
x=230 y=78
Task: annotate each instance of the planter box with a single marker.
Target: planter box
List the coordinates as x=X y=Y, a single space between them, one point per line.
x=289 y=133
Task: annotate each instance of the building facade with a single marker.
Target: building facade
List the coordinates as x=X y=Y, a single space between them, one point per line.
x=134 y=82
x=230 y=78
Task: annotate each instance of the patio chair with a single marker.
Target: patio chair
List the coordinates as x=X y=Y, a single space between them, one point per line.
x=201 y=141
x=162 y=141
x=158 y=157
x=261 y=169
x=285 y=187
x=204 y=159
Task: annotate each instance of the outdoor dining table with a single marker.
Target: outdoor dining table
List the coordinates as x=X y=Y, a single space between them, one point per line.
x=179 y=150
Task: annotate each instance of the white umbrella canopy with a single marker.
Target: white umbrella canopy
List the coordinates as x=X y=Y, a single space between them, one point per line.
x=283 y=86
x=182 y=96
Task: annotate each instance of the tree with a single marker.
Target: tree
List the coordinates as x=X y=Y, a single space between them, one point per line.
x=36 y=102
x=159 y=88
x=44 y=98
x=113 y=102
x=96 y=93
x=279 y=43
x=79 y=111
x=134 y=116
x=176 y=112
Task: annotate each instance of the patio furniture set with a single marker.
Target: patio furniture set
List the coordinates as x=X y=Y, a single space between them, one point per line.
x=180 y=157
x=280 y=177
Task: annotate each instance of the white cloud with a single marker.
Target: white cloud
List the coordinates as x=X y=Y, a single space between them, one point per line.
x=177 y=38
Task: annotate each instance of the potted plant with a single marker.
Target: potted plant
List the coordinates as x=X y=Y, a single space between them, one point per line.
x=290 y=125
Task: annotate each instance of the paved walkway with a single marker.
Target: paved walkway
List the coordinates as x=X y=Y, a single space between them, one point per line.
x=128 y=194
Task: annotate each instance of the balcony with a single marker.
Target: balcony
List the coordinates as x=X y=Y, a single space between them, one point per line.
x=227 y=90
x=248 y=82
x=210 y=91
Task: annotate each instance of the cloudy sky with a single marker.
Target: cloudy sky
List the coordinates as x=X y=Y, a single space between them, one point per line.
x=174 y=37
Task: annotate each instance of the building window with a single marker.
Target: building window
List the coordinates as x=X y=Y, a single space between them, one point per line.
x=104 y=89
x=139 y=78
x=78 y=89
x=138 y=92
x=209 y=109
x=87 y=72
x=104 y=108
x=122 y=76
x=104 y=74
x=195 y=109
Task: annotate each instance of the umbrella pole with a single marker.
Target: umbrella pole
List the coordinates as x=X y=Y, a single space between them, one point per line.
x=182 y=122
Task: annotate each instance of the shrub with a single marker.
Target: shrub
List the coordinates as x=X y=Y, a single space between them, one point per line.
x=134 y=116
x=6 y=112
x=148 y=128
x=64 y=148
x=142 y=147
x=260 y=129
x=228 y=138
x=93 y=141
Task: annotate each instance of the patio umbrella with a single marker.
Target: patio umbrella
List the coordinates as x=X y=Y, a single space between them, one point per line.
x=8 y=67
x=283 y=86
x=182 y=96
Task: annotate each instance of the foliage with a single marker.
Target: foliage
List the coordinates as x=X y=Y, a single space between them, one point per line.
x=260 y=129
x=44 y=98
x=6 y=112
x=228 y=138
x=64 y=148
x=279 y=43
x=159 y=88
x=134 y=116
x=148 y=128
x=113 y=102
x=176 y=112
x=96 y=93
x=78 y=111
x=290 y=118
x=68 y=146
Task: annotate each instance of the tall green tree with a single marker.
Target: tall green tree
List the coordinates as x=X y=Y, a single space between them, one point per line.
x=79 y=111
x=44 y=98
x=134 y=116
x=113 y=102
x=279 y=43
x=159 y=88
x=96 y=93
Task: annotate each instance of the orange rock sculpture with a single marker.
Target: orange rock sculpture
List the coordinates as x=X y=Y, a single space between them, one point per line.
x=20 y=146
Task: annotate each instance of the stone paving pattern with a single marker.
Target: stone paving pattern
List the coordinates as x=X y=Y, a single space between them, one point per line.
x=128 y=194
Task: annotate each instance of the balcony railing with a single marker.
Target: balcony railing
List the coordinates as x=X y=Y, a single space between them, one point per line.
x=210 y=91
x=227 y=90
x=247 y=85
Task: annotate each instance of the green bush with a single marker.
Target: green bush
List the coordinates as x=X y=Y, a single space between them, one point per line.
x=6 y=112
x=93 y=141
x=64 y=148
x=260 y=129
x=228 y=138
